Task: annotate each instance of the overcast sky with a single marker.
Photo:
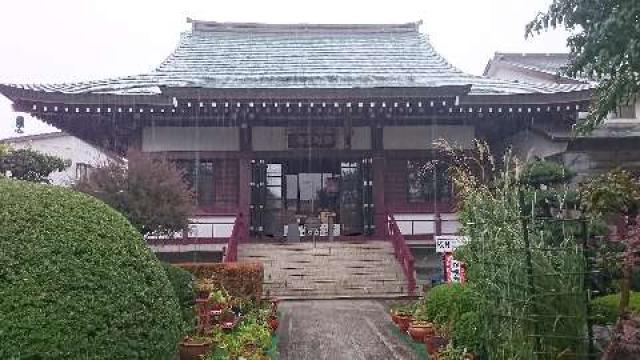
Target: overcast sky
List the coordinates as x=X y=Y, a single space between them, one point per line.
x=73 y=40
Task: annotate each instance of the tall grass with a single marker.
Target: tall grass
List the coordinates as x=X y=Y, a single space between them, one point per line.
x=533 y=302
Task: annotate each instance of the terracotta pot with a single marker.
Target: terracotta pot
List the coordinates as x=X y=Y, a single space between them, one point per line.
x=273 y=323
x=435 y=343
x=419 y=330
x=403 y=322
x=394 y=318
x=194 y=350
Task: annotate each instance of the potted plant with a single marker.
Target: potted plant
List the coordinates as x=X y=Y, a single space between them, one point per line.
x=273 y=322
x=401 y=315
x=449 y=353
x=420 y=328
x=404 y=316
x=228 y=320
x=434 y=344
x=218 y=300
x=194 y=347
x=204 y=287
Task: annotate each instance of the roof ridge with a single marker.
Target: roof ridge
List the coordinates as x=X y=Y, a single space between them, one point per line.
x=214 y=26
x=532 y=53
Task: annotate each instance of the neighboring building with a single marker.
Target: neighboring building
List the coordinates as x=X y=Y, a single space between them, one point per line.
x=83 y=156
x=530 y=67
x=614 y=144
x=280 y=123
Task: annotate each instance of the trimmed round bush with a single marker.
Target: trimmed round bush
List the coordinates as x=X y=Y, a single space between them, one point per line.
x=77 y=281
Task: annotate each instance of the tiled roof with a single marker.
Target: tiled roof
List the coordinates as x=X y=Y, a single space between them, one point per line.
x=548 y=63
x=245 y=55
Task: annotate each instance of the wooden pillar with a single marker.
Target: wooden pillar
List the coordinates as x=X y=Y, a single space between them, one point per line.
x=379 y=207
x=379 y=164
x=244 y=176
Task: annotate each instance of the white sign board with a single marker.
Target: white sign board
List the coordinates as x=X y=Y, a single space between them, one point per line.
x=448 y=243
x=323 y=231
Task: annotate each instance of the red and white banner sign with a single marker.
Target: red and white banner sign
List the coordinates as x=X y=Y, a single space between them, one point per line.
x=453 y=269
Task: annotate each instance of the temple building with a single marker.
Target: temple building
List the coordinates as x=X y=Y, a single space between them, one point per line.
x=279 y=124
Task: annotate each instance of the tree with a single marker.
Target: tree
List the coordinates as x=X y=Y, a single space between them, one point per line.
x=604 y=46
x=30 y=165
x=618 y=193
x=150 y=192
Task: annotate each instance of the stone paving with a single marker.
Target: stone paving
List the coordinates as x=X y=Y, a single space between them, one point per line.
x=338 y=330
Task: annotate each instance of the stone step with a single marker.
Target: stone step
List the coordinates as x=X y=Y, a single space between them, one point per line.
x=330 y=269
x=302 y=293
x=333 y=276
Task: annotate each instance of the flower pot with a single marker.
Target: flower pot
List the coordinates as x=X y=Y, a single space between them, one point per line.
x=273 y=323
x=435 y=344
x=394 y=318
x=194 y=350
x=228 y=321
x=403 y=322
x=419 y=330
x=216 y=309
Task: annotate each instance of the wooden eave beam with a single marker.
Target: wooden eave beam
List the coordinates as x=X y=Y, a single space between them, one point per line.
x=582 y=96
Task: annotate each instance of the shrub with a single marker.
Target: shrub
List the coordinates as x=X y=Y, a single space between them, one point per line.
x=77 y=281
x=447 y=302
x=466 y=332
x=605 y=308
x=30 y=165
x=543 y=172
x=151 y=192
x=240 y=279
x=182 y=282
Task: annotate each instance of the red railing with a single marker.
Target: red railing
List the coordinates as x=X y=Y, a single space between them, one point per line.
x=402 y=253
x=237 y=234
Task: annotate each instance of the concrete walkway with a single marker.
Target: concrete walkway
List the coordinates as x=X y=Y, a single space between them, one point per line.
x=338 y=330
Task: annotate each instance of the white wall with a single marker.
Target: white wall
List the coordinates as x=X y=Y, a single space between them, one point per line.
x=65 y=146
x=424 y=224
x=211 y=226
x=422 y=137
x=176 y=138
x=269 y=138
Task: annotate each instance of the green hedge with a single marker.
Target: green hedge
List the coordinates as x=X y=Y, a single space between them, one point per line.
x=77 y=281
x=447 y=302
x=182 y=282
x=605 y=308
